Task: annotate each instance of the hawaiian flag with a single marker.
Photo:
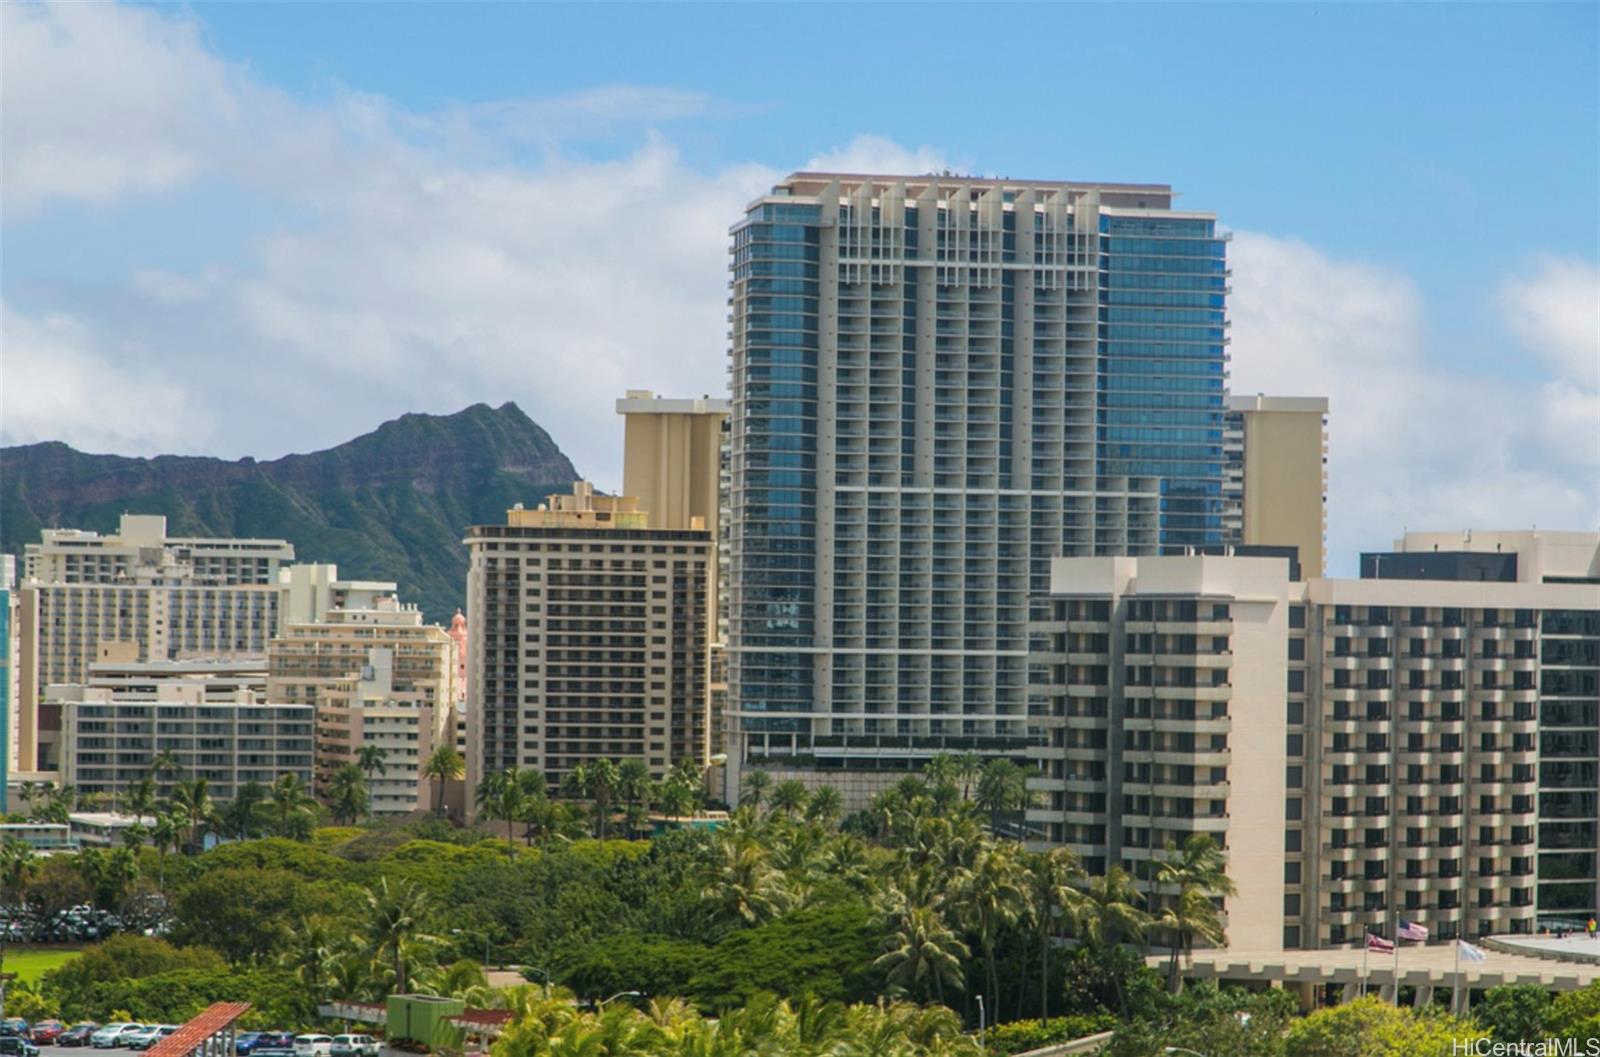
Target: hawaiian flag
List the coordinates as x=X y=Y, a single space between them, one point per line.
x=1379 y=944
x=1469 y=952
x=1410 y=930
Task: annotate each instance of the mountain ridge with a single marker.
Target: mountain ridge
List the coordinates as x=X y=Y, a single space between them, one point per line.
x=390 y=504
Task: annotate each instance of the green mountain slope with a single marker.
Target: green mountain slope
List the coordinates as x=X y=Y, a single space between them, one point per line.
x=390 y=505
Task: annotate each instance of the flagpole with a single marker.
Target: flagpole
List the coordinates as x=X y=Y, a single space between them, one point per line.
x=1457 y=996
x=1397 y=960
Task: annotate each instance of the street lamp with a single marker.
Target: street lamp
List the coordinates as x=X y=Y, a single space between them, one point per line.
x=982 y=1022
x=621 y=994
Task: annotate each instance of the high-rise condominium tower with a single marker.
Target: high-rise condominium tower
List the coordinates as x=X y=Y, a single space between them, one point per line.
x=940 y=383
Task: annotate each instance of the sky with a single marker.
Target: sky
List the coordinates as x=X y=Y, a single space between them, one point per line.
x=250 y=229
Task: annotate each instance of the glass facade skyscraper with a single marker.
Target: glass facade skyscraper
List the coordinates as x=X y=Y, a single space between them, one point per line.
x=939 y=384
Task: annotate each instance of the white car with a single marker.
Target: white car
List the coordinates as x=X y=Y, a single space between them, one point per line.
x=313 y=1046
x=355 y=1046
x=113 y=1035
x=152 y=1034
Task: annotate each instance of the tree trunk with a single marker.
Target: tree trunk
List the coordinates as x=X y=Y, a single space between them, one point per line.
x=1044 y=975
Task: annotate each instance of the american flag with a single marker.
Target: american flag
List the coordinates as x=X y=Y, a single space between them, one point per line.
x=1469 y=952
x=1410 y=930
x=1379 y=944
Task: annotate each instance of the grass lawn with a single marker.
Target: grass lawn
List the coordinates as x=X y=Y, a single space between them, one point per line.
x=29 y=965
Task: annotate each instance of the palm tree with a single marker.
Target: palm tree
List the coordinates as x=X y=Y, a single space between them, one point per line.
x=164 y=762
x=192 y=802
x=790 y=796
x=601 y=786
x=372 y=759
x=1111 y=911
x=288 y=797
x=1199 y=874
x=165 y=834
x=827 y=804
x=746 y=888
x=240 y=819
x=396 y=917
x=676 y=799
x=923 y=955
x=1053 y=895
x=1002 y=791
x=347 y=794
x=311 y=954
x=756 y=783
x=142 y=798
x=991 y=895
x=969 y=765
x=633 y=782
x=444 y=765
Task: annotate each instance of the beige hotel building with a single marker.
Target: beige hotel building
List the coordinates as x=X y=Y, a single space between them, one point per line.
x=591 y=638
x=1423 y=741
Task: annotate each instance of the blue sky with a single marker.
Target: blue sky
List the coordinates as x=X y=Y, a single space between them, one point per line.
x=367 y=195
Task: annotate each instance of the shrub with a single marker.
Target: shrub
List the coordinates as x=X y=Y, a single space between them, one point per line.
x=1019 y=1036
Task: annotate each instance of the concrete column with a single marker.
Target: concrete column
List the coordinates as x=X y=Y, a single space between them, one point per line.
x=1424 y=996
x=1352 y=991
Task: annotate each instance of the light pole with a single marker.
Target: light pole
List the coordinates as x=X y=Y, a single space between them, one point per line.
x=982 y=1022
x=621 y=994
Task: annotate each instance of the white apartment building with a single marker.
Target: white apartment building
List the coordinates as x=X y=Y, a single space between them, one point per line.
x=110 y=738
x=1363 y=748
x=312 y=590
x=162 y=597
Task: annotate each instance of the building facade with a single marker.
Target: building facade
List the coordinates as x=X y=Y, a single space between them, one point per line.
x=1363 y=748
x=672 y=458
x=311 y=590
x=591 y=639
x=164 y=597
x=938 y=385
x=110 y=739
x=365 y=712
x=1275 y=492
x=8 y=675
x=378 y=677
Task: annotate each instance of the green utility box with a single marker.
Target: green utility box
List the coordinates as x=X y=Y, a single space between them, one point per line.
x=418 y=1017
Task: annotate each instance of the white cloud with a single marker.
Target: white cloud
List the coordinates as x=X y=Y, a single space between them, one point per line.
x=878 y=154
x=58 y=383
x=1412 y=443
x=1555 y=312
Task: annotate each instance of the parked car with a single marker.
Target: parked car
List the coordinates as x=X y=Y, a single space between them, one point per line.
x=274 y=1040
x=14 y=1026
x=47 y=1031
x=148 y=1036
x=313 y=1046
x=17 y=1046
x=110 y=1036
x=354 y=1046
x=245 y=1042
x=78 y=1034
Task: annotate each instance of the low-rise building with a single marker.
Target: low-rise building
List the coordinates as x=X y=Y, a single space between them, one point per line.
x=110 y=740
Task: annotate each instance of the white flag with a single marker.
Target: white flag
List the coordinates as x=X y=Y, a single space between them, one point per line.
x=1469 y=952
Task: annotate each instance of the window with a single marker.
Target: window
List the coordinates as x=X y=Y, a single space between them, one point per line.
x=1291 y=873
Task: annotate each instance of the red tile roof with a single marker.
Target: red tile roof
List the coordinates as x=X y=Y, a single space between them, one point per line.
x=194 y=1034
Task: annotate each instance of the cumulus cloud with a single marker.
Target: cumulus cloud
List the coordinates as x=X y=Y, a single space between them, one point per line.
x=878 y=154
x=424 y=278
x=57 y=381
x=1413 y=443
x=1554 y=310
